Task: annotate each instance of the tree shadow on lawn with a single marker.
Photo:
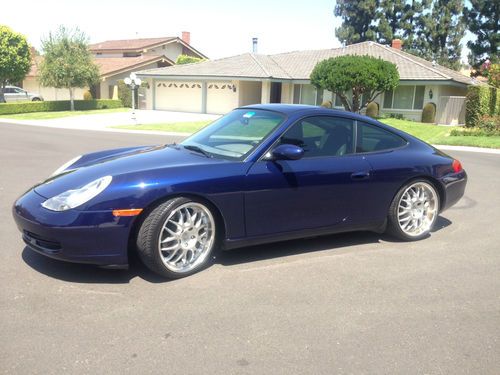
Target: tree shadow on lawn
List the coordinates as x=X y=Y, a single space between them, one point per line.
x=90 y=274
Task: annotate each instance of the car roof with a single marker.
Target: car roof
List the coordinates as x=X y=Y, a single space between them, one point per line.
x=310 y=109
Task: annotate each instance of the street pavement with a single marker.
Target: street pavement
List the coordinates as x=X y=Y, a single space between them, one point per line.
x=357 y=303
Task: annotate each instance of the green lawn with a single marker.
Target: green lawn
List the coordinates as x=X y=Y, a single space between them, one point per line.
x=60 y=114
x=438 y=135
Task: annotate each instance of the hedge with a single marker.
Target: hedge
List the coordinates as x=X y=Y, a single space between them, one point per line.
x=481 y=101
x=57 y=105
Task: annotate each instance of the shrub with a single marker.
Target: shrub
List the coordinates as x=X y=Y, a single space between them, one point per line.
x=486 y=126
x=372 y=110
x=87 y=95
x=57 y=105
x=398 y=116
x=480 y=101
x=326 y=104
x=186 y=59
x=429 y=113
x=124 y=94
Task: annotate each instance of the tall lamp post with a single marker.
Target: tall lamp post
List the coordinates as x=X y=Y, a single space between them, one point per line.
x=133 y=82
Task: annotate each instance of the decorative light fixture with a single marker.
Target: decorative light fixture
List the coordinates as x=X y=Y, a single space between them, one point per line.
x=133 y=82
x=431 y=94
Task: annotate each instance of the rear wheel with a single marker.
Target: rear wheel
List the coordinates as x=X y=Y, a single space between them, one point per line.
x=177 y=238
x=36 y=100
x=414 y=211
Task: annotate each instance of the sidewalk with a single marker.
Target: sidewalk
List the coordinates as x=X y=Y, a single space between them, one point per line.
x=104 y=121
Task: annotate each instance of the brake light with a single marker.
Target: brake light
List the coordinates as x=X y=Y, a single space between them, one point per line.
x=456 y=166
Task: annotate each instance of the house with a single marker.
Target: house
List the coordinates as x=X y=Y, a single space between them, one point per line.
x=116 y=59
x=217 y=86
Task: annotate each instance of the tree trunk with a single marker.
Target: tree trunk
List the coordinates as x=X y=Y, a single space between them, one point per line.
x=2 y=89
x=72 y=99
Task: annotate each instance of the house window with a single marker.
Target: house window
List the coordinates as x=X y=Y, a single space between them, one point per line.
x=307 y=94
x=405 y=97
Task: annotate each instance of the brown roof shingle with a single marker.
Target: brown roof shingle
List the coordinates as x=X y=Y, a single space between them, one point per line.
x=129 y=44
x=298 y=65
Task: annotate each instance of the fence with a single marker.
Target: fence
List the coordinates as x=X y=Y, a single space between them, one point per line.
x=451 y=110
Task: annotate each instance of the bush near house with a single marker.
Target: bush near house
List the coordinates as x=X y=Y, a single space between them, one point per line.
x=481 y=101
x=372 y=110
x=57 y=105
x=429 y=113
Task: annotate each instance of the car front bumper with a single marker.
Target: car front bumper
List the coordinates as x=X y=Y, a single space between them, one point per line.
x=94 y=237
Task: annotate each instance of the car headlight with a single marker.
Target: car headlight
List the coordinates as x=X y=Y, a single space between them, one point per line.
x=66 y=165
x=74 y=198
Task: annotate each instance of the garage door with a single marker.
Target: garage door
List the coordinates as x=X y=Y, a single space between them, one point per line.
x=178 y=96
x=222 y=97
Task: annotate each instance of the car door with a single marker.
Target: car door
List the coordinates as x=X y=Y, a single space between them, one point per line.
x=328 y=186
x=9 y=95
x=20 y=94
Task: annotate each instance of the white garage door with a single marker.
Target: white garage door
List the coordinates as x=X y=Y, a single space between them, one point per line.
x=222 y=97
x=178 y=96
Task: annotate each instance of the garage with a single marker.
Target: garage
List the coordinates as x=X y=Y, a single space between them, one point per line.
x=222 y=97
x=178 y=96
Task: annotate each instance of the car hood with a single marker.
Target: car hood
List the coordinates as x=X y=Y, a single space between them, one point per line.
x=119 y=164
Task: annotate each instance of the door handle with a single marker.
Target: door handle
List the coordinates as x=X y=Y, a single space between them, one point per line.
x=360 y=175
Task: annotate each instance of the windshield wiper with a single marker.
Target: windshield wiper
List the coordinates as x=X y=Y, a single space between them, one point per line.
x=197 y=149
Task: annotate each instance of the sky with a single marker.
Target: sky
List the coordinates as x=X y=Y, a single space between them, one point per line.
x=219 y=28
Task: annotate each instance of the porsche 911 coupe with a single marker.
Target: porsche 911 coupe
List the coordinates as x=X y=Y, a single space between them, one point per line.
x=259 y=174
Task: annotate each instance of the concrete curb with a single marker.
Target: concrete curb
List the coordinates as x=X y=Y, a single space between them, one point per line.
x=178 y=134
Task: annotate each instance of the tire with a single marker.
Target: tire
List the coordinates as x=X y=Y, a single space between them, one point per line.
x=178 y=238
x=414 y=211
x=36 y=100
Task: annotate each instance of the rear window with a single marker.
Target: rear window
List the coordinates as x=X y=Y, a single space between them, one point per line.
x=372 y=138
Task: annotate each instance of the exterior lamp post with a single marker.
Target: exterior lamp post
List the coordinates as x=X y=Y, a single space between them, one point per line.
x=133 y=82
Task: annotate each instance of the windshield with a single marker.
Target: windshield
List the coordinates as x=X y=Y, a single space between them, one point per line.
x=235 y=135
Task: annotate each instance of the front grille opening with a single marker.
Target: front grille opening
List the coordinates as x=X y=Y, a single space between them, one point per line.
x=43 y=243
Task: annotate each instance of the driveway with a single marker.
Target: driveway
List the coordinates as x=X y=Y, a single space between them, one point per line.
x=105 y=120
x=351 y=303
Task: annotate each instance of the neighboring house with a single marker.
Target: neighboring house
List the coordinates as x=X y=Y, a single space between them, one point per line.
x=116 y=60
x=217 y=86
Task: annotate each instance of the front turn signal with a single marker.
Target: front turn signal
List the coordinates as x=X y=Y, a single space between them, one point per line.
x=127 y=212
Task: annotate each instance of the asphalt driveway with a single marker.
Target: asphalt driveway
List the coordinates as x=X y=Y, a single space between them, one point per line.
x=350 y=303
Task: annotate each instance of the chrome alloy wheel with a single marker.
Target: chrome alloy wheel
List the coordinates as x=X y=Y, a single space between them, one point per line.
x=186 y=238
x=417 y=209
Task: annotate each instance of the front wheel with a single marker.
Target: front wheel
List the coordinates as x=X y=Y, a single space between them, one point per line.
x=414 y=211
x=36 y=100
x=177 y=238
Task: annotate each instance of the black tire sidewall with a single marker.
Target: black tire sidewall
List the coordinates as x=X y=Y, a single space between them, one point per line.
x=151 y=227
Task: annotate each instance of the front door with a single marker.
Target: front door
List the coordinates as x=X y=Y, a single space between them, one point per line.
x=328 y=186
x=275 y=96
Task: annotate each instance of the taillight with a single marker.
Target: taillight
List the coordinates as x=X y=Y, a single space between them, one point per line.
x=456 y=166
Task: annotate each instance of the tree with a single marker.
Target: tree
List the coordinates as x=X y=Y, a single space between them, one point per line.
x=358 y=20
x=440 y=30
x=359 y=75
x=390 y=20
x=67 y=61
x=186 y=59
x=483 y=21
x=15 y=58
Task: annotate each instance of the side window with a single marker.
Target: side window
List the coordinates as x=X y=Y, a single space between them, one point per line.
x=322 y=136
x=8 y=90
x=372 y=138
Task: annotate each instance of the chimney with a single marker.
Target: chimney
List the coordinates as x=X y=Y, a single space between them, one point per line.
x=254 y=44
x=397 y=43
x=186 y=37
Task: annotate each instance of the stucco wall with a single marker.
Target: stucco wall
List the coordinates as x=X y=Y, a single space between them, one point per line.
x=31 y=84
x=249 y=92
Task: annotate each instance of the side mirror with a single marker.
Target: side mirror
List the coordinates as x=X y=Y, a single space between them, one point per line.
x=287 y=152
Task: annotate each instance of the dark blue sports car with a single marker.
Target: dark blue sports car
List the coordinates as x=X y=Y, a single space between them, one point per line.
x=259 y=174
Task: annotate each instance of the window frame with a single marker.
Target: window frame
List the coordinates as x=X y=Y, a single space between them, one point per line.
x=265 y=153
x=299 y=99
x=412 y=103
